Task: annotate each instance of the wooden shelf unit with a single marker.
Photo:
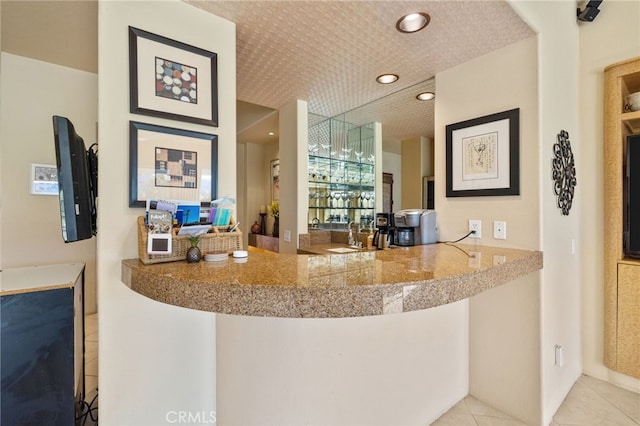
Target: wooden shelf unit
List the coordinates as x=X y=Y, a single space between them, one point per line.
x=622 y=274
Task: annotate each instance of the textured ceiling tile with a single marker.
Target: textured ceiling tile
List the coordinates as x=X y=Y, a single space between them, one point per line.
x=329 y=52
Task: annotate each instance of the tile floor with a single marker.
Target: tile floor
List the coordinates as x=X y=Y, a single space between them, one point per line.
x=591 y=402
x=91 y=364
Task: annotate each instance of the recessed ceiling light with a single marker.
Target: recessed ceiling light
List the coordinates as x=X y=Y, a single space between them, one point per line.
x=425 y=96
x=271 y=133
x=387 y=78
x=413 y=22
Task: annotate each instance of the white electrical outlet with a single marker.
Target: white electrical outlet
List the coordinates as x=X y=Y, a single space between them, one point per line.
x=475 y=225
x=500 y=230
x=287 y=236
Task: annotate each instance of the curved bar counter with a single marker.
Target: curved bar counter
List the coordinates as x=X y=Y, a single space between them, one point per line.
x=309 y=340
x=361 y=283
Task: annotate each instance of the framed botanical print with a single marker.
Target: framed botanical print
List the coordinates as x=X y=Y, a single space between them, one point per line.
x=483 y=156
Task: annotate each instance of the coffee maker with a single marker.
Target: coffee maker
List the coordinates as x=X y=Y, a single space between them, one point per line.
x=383 y=236
x=414 y=227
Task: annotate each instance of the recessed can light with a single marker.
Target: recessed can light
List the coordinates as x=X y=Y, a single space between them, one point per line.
x=425 y=96
x=413 y=22
x=387 y=78
x=271 y=134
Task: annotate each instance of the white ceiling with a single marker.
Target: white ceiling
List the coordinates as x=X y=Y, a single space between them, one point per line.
x=330 y=52
x=325 y=52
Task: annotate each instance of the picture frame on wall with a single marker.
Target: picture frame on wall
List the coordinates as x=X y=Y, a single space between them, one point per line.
x=170 y=79
x=275 y=180
x=166 y=163
x=44 y=179
x=483 y=156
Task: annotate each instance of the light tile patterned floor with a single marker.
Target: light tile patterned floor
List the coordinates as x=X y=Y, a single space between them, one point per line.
x=591 y=402
x=91 y=362
x=91 y=355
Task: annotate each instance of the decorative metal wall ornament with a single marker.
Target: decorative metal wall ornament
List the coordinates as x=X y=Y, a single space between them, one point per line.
x=564 y=172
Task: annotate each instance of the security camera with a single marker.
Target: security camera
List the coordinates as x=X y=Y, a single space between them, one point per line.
x=590 y=11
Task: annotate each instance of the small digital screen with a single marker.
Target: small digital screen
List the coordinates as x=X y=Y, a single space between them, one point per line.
x=160 y=244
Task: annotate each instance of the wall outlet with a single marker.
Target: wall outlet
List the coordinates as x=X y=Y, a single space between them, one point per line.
x=475 y=225
x=500 y=230
x=287 y=236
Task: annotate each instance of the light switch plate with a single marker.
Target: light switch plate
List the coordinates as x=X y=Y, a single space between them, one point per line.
x=500 y=230
x=287 y=236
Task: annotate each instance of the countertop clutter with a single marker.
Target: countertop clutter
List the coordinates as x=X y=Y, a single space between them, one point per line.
x=362 y=283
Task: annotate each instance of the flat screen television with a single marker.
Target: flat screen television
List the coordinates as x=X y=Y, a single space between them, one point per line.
x=77 y=182
x=632 y=198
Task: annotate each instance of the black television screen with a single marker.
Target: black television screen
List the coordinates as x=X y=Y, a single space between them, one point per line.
x=77 y=182
x=632 y=198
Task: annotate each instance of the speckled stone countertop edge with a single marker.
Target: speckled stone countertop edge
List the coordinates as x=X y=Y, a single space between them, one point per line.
x=329 y=301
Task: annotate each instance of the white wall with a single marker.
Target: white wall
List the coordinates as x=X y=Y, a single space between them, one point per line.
x=242 y=201
x=499 y=81
x=495 y=82
x=252 y=171
x=294 y=201
x=154 y=358
x=1 y=139
x=391 y=163
x=401 y=369
x=613 y=37
x=558 y=68
x=32 y=92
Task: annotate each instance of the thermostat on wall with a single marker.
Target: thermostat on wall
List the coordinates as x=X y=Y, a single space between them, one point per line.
x=159 y=244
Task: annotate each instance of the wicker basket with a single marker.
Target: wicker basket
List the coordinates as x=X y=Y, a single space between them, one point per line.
x=215 y=241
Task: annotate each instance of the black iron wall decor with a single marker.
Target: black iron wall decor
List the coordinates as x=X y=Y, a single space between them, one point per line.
x=564 y=172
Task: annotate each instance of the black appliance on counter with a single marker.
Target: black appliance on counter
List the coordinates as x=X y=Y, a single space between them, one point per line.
x=384 y=234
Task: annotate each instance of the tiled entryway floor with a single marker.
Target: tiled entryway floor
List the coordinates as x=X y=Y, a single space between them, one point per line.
x=91 y=367
x=91 y=355
x=591 y=402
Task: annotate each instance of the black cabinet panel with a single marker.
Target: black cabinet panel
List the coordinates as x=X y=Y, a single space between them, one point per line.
x=37 y=358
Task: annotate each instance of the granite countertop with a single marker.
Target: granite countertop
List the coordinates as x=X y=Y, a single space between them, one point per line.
x=327 y=249
x=368 y=282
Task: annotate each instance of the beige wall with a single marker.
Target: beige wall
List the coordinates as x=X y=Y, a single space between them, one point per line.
x=153 y=357
x=31 y=228
x=498 y=81
x=1 y=168
x=558 y=94
x=392 y=163
x=417 y=162
x=614 y=36
x=254 y=183
x=60 y=32
x=294 y=200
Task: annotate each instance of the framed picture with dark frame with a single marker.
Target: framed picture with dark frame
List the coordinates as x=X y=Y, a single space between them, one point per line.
x=483 y=155
x=171 y=164
x=170 y=79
